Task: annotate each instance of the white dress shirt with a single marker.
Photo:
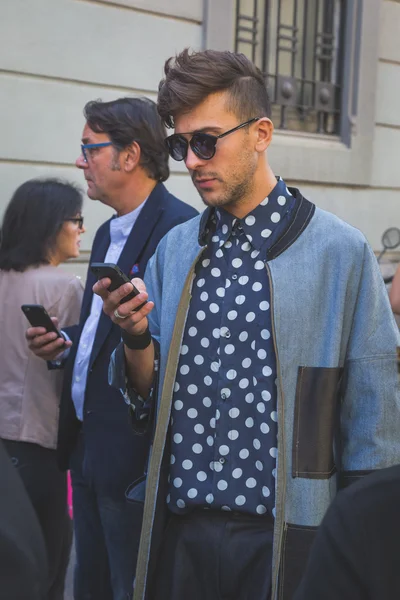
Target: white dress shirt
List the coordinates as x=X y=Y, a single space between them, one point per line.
x=120 y=229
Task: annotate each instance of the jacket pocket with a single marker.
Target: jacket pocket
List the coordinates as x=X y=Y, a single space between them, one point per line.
x=136 y=492
x=315 y=415
x=297 y=542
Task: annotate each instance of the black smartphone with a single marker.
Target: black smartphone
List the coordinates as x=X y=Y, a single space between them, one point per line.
x=38 y=316
x=117 y=277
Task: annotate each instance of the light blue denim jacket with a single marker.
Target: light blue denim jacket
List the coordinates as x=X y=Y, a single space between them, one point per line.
x=338 y=394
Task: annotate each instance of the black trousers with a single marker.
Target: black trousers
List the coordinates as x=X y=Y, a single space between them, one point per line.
x=46 y=486
x=212 y=555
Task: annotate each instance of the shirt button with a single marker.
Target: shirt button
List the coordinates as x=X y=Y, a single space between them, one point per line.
x=234 y=276
x=77 y=379
x=223 y=396
x=222 y=460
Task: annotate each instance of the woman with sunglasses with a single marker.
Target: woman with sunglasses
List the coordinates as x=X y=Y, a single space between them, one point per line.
x=41 y=229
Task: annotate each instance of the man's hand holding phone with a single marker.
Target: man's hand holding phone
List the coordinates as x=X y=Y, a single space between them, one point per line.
x=131 y=316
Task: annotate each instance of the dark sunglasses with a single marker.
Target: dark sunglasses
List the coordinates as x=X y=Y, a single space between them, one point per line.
x=203 y=145
x=78 y=220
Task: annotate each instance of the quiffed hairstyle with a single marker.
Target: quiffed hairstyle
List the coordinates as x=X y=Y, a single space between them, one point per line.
x=129 y=120
x=33 y=220
x=191 y=76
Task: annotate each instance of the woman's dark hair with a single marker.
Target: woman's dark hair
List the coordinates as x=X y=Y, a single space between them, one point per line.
x=128 y=120
x=191 y=77
x=33 y=220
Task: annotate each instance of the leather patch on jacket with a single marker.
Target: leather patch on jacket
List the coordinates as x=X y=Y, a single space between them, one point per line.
x=316 y=403
x=296 y=546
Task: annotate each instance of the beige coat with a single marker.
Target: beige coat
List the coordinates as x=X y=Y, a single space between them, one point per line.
x=29 y=392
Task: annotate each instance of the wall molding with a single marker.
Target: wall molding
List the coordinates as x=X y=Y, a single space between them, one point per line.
x=160 y=9
x=78 y=82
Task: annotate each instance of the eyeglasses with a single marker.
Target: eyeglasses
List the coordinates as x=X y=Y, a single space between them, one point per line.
x=78 y=220
x=90 y=147
x=202 y=144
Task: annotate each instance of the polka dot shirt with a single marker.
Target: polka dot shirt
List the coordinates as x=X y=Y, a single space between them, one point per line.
x=224 y=415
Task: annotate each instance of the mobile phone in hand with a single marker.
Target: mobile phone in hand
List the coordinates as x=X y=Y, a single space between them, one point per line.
x=38 y=316
x=117 y=277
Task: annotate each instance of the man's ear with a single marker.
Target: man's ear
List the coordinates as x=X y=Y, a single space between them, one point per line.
x=131 y=157
x=265 y=130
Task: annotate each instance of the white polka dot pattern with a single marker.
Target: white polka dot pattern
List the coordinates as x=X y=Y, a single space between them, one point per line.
x=224 y=416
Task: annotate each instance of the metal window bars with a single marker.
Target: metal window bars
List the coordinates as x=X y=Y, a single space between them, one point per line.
x=300 y=45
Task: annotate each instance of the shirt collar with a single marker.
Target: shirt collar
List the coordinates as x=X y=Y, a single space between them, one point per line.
x=259 y=224
x=123 y=225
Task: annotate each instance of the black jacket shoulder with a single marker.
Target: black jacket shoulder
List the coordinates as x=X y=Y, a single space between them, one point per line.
x=356 y=554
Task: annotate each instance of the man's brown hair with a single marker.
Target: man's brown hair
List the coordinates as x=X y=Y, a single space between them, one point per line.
x=192 y=76
x=128 y=120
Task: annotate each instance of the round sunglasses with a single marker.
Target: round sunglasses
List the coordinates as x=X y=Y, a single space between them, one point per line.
x=203 y=145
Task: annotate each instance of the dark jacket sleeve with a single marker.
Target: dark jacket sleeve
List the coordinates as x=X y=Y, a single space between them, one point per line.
x=72 y=332
x=23 y=563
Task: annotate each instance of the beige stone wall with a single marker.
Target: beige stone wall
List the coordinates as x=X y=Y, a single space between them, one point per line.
x=55 y=55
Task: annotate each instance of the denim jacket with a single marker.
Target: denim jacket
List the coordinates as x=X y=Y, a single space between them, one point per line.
x=338 y=396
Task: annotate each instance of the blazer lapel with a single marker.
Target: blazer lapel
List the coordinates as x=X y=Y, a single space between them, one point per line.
x=129 y=260
x=98 y=254
x=141 y=234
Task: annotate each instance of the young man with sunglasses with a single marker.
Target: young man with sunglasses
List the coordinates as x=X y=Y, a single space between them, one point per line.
x=125 y=162
x=266 y=355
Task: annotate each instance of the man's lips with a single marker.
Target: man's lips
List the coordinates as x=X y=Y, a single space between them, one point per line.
x=204 y=182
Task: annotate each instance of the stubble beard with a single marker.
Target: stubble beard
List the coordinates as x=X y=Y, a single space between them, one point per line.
x=234 y=194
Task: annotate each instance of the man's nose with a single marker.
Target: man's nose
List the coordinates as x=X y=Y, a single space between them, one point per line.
x=81 y=162
x=192 y=161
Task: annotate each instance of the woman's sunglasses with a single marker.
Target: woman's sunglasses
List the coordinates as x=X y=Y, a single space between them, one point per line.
x=203 y=145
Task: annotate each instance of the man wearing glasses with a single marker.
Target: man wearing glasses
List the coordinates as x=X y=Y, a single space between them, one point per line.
x=124 y=161
x=266 y=352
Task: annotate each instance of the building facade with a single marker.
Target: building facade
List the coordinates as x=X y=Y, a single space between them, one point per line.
x=332 y=68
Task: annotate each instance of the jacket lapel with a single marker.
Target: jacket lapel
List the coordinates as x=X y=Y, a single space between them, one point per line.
x=98 y=254
x=130 y=256
x=141 y=233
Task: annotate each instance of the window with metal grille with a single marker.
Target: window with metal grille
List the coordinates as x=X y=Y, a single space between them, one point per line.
x=304 y=48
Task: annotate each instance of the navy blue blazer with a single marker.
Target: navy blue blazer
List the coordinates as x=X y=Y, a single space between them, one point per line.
x=116 y=455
